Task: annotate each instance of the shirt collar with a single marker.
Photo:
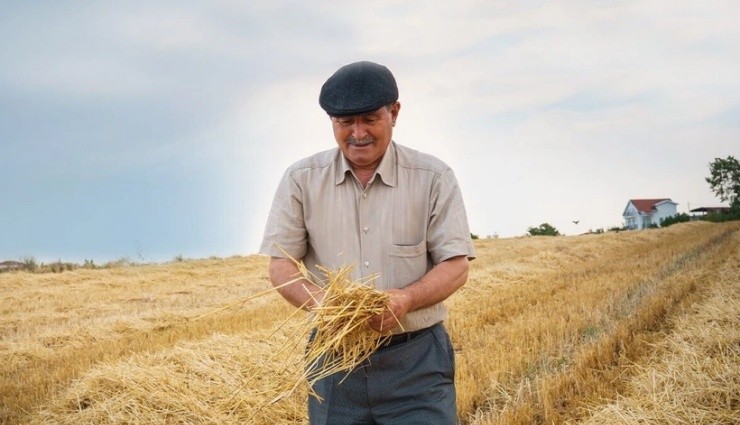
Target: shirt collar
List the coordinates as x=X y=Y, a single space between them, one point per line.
x=387 y=170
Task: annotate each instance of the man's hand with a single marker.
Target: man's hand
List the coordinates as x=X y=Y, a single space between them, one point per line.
x=398 y=305
x=434 y=287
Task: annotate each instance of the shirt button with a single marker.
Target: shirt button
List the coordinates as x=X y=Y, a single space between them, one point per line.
x=367 y=264
x=365 y=229
x=364 y=195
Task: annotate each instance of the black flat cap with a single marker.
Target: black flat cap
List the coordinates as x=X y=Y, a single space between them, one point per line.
x=358 y=88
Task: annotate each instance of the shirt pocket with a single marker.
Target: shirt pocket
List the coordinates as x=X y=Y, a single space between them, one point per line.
x=408 y=263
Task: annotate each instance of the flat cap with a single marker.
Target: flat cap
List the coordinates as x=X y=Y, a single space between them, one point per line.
x=358 y=88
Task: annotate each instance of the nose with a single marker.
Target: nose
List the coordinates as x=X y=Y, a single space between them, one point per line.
x=359 y=131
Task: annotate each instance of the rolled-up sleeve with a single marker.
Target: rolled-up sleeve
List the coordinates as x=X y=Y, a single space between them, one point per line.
x=448 y=234
x=285 y=231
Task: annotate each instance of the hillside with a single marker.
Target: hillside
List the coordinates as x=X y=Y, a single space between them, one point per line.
x=629 y=327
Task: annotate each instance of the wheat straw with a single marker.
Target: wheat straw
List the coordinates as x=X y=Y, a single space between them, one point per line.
x=337 y=330
x=339 y=337
x=343 y=339
x=527 y=302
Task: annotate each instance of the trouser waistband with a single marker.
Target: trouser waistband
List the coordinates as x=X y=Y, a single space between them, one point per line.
x=407 y=336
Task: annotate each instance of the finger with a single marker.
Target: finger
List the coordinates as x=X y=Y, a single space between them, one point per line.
x=376 y=322
x=388 y=323
x=381 y=323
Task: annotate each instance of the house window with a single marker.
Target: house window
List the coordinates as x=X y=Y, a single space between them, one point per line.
x=631 y=223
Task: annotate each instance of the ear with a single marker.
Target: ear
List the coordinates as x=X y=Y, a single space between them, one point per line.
x=395 y=108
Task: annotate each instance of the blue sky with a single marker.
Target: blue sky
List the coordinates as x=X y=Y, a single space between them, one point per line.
x=148 y=130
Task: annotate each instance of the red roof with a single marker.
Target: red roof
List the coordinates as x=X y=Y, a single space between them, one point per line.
x=647 y=205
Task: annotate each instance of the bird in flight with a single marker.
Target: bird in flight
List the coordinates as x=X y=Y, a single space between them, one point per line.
x=576 y=221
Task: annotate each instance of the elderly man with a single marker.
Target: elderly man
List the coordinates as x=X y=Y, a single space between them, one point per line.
x=396 y=213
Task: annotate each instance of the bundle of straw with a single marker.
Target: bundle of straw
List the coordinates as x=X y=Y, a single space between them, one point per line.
x=337 y=330
x=342 y=338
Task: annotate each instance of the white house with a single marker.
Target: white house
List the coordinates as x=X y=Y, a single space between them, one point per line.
x=641 y=213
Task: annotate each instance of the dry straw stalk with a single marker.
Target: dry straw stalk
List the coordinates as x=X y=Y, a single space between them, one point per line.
x=337 y=329
x=342 y=339
x=339 y=336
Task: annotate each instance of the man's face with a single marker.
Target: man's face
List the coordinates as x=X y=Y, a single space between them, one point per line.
x=364 y=138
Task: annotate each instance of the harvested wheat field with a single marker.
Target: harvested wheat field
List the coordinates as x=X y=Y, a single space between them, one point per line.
x=630 y=327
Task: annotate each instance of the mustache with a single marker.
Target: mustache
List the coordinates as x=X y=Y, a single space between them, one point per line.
x=352 y=140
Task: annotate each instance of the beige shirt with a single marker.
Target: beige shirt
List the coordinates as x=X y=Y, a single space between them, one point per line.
x=409 y=217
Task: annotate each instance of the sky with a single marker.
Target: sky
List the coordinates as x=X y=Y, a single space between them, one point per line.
x=160 y=129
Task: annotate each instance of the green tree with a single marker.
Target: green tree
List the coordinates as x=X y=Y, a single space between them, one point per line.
x=724 y=180
x=544 y=229
x=678 y=218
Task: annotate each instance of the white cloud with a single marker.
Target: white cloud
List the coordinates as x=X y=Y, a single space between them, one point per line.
x=548 y=111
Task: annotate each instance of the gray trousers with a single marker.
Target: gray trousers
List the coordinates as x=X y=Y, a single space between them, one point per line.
x=409 y=383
